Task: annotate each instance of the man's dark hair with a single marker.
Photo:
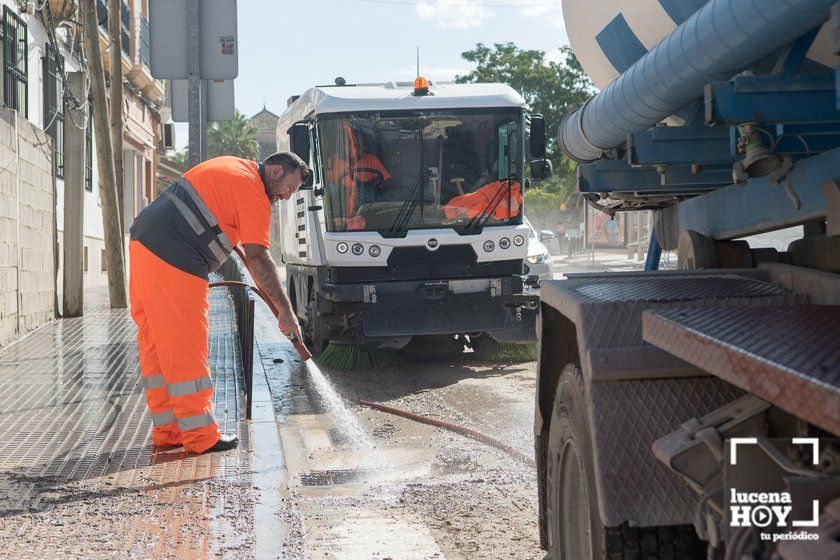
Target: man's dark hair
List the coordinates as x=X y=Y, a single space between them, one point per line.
x=290 y=162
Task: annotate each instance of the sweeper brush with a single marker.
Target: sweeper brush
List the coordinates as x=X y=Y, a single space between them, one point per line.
x=347 y=356
x=487 y=349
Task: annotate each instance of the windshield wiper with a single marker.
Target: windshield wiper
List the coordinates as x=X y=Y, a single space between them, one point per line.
x=407 y=209
x=419 y=187
x=494 y=202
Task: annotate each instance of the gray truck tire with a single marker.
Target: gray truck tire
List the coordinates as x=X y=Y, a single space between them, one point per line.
x=575 y=531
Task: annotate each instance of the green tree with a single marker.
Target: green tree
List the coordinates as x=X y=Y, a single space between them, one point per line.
x=551 y=88
x=180 y=156
x=233 y=138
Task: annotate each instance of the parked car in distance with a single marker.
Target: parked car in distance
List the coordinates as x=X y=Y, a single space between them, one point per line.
x=537 y=266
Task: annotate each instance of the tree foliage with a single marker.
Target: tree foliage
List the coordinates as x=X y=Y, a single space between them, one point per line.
x=233 y=138
x=552 y=86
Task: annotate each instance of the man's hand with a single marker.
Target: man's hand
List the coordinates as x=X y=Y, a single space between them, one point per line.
x=289 y=327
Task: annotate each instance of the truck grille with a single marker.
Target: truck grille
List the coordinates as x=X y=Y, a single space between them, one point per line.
x=449 y=261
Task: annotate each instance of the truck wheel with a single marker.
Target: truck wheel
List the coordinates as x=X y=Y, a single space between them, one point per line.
x=314 y=330
x=575 y=531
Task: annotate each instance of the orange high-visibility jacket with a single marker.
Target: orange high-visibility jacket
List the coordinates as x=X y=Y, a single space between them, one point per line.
x=470 y=205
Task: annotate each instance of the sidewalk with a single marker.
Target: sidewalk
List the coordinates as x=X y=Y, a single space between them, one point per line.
x=78 y=475
x=614 y=260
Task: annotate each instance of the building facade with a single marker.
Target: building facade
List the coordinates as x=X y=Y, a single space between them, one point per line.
x=266 y=124
x=41 y=44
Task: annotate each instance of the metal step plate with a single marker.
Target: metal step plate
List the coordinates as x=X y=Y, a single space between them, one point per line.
x=607 y=309
x=789 y=356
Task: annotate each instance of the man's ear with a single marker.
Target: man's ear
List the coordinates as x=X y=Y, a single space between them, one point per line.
x=275 y=171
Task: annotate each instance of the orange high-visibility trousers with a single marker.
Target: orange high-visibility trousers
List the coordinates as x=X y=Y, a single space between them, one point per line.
x=170 y=308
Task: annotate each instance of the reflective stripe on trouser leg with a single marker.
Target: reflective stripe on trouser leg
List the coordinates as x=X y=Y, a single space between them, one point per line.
x=184 y=388
x=163 y=418
x=165 y=431
x=176 y=304
x=196 y=422
x=155 y=381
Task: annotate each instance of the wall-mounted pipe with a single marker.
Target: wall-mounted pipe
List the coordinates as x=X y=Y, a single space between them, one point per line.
x=720 y=40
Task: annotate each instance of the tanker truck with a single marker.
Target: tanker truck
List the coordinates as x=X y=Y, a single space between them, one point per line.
x=695 y=413
x=411 y=227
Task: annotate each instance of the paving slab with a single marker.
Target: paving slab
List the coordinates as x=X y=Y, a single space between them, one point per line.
x=79 y=477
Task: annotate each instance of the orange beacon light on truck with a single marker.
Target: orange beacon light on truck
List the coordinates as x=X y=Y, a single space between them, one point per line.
x=421 y=86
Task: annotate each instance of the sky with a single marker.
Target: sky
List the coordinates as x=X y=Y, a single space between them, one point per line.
x=288 y=46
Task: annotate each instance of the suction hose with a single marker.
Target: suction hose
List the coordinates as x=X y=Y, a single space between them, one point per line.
x=720 y=40
x=306 y=356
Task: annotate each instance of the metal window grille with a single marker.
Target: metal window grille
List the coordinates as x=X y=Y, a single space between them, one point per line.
x=125 y=19
x=102 y=14
x=89 y=154
x=15 y=62
x=54 y=105
x=145 y=42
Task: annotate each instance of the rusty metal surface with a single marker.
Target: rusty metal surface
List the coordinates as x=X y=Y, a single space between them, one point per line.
x=788 y=356
x=608 y=310
x=78 y=474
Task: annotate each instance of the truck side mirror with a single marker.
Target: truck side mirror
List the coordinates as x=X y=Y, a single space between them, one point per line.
x=299 y=140
x=538 y=137
x=541 y=169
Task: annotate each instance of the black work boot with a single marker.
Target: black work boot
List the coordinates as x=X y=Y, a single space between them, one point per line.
x=225 y=443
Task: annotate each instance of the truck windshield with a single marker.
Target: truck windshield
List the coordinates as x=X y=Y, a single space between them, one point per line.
x=392 y=171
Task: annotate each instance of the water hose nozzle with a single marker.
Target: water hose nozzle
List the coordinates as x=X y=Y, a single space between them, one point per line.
x=304 y=352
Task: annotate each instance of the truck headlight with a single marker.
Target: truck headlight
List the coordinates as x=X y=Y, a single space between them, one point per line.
x=358 y=249
x=504 y=242
x=518 y=240
x=341 y=247
x=489 y=245
x=375 y=251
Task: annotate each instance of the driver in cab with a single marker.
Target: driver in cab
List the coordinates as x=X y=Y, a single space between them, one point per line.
x=360 y=171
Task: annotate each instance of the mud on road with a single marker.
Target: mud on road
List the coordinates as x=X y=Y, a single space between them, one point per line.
x=411 y=491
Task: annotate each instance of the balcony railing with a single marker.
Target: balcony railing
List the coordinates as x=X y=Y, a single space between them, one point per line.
x=145 y=42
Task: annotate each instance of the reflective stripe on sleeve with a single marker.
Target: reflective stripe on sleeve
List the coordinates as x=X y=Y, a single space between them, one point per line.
x=164 y=418
x=189 y=387
x=197 y=421
x=154 y=382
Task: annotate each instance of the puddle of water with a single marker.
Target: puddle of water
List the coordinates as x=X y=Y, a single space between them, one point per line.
x=333 y=404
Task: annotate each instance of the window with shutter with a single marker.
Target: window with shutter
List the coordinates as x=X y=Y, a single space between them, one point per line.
x=54 y=105
x=15 y=62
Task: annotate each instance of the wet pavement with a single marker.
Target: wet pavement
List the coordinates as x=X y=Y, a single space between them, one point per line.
x=408 y=491
x=79 y=477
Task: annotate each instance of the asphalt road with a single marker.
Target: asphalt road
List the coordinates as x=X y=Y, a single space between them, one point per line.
x=404 y=490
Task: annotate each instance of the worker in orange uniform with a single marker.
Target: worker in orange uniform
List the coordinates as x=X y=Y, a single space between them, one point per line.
x=364 y=172
x=176 y=242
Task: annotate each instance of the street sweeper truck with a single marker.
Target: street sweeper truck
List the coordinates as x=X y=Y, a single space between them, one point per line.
x=412 y=224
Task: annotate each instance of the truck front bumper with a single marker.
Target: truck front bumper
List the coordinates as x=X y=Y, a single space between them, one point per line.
x=404 y=309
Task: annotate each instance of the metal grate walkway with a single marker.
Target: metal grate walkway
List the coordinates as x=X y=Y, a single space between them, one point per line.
x=78 y=474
